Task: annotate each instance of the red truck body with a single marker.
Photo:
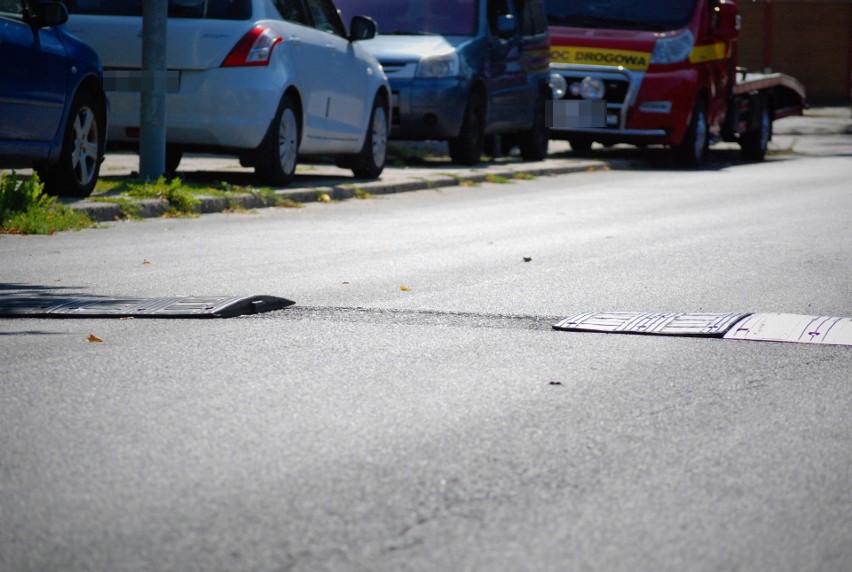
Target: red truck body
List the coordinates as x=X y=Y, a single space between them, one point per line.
x=667 y=71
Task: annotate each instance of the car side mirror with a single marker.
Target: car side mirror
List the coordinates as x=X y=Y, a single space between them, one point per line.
x=506 y=26
x=726 y=21
x=362 y=28
x=47 y=15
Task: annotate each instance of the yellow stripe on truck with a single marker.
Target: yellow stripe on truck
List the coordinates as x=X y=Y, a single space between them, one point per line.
x=631 y=60
x=708 y=53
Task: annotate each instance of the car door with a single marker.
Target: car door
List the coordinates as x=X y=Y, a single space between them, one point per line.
x=344 y=76
x=34 y=78
x=505 y=74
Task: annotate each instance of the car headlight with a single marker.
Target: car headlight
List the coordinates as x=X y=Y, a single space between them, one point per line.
x=673 y=50
x=444 y=65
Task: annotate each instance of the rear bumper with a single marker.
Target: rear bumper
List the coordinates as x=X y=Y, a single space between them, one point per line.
x=206 y=110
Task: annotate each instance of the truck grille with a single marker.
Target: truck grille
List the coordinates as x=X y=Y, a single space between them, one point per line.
x=616 y=89
x=617 y=85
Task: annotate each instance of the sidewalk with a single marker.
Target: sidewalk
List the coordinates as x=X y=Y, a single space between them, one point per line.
x=314 y=180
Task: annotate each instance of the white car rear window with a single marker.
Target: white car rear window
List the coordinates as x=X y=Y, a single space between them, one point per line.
x=212 y=9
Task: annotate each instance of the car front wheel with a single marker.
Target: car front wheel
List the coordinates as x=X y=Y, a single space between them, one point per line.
x=370 y=161
x=76 y=172
x=466 y=149
x=533 y=142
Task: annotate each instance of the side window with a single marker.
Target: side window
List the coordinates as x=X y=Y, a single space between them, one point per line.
x=325 y=17
x=292 y=11
x=15 y=7
x=533 y=18
x=496 y=8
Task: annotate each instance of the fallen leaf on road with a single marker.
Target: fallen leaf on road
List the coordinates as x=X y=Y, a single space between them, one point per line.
x=146 y=261
x=527 y=259
x=404 y=288
x=94 y=339
x=324 y=198
x=555 y=383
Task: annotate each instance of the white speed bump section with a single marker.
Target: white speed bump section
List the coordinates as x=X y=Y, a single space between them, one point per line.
x=794 y=328
x=654 y=323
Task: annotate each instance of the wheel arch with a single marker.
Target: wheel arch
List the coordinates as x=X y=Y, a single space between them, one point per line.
x=296 y=99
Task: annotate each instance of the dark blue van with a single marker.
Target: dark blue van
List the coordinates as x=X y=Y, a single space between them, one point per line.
x=461 y=70
x=53 y=110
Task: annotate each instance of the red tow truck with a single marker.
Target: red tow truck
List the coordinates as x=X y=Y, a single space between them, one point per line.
x=660 y=72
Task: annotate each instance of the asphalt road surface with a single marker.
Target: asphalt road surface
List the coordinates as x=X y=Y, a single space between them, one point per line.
x=416 y=411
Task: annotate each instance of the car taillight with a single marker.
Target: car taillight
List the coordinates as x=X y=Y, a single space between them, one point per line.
x=253 y=49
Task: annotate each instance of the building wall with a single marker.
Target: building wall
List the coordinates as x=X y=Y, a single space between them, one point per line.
x=810 y=40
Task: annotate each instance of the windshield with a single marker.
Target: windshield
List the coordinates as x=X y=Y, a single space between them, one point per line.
x=414 y=17
x=214 y=9
x=659 y=15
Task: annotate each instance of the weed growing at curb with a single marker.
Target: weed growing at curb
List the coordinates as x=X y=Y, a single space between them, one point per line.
x=130 y=209
x=25 y=209
x=496 y=179
x=362 y=194
x=180 y=199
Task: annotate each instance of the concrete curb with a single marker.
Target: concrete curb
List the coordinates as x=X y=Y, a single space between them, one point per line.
x=394 y=181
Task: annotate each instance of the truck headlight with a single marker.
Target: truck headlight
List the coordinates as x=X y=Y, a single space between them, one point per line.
x=592 y=88
x=443 y=65
x=673 y=50
x=558 y=85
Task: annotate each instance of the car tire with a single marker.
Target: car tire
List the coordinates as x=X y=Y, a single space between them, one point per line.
x=691 y=152
x=173 y=158
x=580 y=144
x=534 y=141
x=370 y=162
x=754 y=144
x=279 y=153
x=76 y=172
x=466 y=149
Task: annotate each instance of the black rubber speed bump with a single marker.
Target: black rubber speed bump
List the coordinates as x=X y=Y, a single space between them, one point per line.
x=52 y=306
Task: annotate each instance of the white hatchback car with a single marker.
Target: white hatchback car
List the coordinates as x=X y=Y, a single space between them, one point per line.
x=267 y=80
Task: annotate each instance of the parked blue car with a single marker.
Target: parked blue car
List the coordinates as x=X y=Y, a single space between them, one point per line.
x=53 y=110
x=462 y=70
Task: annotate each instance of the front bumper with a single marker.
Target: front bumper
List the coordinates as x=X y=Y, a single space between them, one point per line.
x=641 y=107
x=428 y=108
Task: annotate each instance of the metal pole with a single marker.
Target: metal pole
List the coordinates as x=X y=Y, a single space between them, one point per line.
x=152 y=143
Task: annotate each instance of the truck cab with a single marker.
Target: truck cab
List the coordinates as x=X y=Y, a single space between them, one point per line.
x=655 y=72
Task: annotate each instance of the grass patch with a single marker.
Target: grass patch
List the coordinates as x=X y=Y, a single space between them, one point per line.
x=524 y=176
x=362 y=194
x=460 y=181
x=496 y=179
x=181 y=196
x=129 y=208
x=25 y=209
